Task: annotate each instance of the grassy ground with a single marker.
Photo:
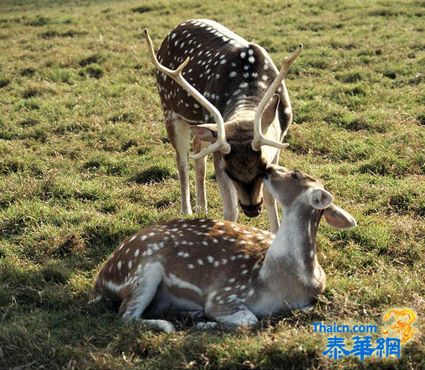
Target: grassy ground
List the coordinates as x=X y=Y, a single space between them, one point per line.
x=84 y=161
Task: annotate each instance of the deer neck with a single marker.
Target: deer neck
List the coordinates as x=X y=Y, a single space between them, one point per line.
x=293 y=251
x=243 y=108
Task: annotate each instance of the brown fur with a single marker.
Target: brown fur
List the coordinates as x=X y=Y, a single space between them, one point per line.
x=246 y=244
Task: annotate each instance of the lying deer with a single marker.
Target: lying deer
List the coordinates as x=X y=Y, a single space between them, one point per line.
x=206 y=73
x=228 y=272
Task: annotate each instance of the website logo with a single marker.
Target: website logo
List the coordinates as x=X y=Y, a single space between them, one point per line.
x=400 y=323
x=397 y=330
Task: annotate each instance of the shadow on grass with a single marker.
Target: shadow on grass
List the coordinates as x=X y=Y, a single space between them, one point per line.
x=46 y=322
x=153 y=174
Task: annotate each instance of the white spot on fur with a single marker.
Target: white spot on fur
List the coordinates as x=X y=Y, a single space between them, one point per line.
x=173 y=280
x=114 y=287
x=232 y=298
x=262 y=85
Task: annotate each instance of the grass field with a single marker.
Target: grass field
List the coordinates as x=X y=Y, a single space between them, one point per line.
x=85 y=161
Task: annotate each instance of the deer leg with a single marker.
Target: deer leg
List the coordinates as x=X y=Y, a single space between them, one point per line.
x=198 y=317
x=200 y=164
x=232 y=315
x=179 y=135
x=207 y=325
x=271 y=205
x=227 y=190
x=141 y=294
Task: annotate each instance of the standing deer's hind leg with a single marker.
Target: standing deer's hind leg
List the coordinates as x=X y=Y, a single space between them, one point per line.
x=141 y=293
x=179 y=135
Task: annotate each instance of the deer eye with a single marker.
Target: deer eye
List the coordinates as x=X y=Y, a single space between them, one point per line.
x=295 y=176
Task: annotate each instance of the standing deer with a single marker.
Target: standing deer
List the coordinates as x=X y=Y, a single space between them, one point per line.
x=228 y=272
x=207 y=73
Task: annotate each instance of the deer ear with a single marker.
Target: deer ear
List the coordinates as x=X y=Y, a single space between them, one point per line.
x=319 y=198
x=205 y=132
x=269 y=112
x=338 y=218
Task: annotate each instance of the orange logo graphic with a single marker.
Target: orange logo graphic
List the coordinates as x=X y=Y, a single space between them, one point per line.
x=400 y=321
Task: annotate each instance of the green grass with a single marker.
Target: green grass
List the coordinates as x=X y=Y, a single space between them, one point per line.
x=84 y=162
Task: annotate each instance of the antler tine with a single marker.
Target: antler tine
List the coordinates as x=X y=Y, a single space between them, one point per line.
x=220 y=144
x=259 y=139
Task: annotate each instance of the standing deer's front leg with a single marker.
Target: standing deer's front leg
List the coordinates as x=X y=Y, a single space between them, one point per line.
x=179 y=135
x=227 y=190
x=200 y=164
x=271 y=205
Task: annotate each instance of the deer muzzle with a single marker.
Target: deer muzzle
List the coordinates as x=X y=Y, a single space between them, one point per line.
x=252 y=210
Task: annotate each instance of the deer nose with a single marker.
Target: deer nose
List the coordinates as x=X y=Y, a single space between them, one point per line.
x=252 y=210
x=274 y=169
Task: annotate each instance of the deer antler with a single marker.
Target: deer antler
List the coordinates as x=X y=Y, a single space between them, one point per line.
x=259 y=139
x=220 y=144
